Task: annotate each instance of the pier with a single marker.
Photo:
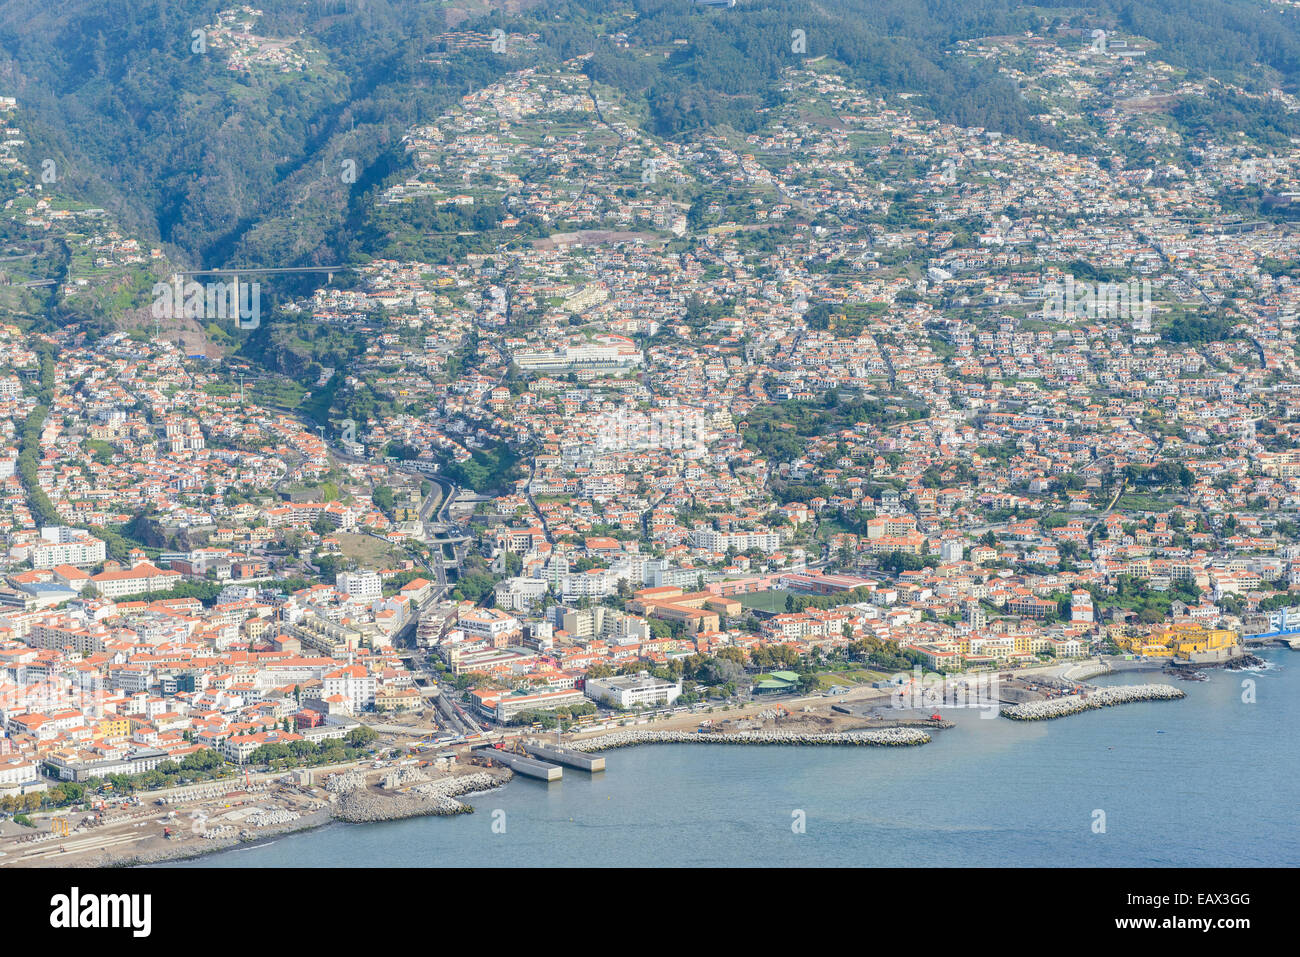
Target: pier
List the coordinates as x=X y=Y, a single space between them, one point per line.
x=529 y=767
x=522 y=764
x=562 y=755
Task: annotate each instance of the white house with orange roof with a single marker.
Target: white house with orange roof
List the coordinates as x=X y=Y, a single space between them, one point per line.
x=354 y=684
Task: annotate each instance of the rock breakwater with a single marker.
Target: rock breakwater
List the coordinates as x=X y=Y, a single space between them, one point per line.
x=881 y=737
x=362 y=805
x=1097 y=698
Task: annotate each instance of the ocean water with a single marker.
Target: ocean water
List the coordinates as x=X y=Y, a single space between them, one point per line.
x=1210 y=780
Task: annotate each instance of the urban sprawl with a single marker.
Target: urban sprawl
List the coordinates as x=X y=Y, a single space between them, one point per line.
x=763 y=418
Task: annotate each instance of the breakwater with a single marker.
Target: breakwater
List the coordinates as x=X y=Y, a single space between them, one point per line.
x=1085 y=670
x=1032 y=787
x=881 y=737
x=360 y=805
x=1095 y=698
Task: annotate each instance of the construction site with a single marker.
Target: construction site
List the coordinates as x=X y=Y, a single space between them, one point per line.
x=156 y=826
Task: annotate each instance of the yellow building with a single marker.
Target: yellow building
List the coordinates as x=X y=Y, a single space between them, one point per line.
x=1181 y=641
x=1204 y=641
x=110 y=729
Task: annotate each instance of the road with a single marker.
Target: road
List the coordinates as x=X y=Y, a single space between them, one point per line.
x=454 y=717
x=441 y=496
x=532 y=502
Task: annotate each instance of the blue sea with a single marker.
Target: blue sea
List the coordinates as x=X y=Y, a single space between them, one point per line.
x=1210 y=780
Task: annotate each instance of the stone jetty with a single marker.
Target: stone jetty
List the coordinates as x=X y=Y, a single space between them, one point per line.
x=881 y=737
x=363 y=805
x=1095 y=698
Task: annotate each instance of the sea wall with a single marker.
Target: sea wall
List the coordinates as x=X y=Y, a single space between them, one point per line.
x=882 y=737
x=1085 y=670
x=1096 y=698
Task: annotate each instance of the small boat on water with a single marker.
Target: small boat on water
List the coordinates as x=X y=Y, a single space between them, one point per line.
x=1193 y=676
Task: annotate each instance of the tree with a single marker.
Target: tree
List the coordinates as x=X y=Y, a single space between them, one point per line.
x=73 y=792
x=1150 y=614
x=733 y=654
x=383 y=499
x=360 y=737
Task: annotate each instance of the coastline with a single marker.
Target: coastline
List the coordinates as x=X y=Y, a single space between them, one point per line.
x=182 y=852
x=356 y=839
x=437 y=798
x=882 y=737
x=359 y=806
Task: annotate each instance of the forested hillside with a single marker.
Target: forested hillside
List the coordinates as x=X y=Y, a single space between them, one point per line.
x=271 y=166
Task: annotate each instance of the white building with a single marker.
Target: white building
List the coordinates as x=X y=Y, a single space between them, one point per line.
x=19 y=775
x=517 y=594
x=363 y=586
x=492 y=624
x=764 y=540
x=628 y=691
x=61 y=545
x=608 y=352
x=354 y=684
x=141 y=578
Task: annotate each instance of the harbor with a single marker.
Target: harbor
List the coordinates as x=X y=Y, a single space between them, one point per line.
x=992 y=791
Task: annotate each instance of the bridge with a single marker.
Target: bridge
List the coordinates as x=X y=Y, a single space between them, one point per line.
x=261 y=270
x=1289 y=638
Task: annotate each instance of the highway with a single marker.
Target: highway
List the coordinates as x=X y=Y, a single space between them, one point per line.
x=441 y=497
